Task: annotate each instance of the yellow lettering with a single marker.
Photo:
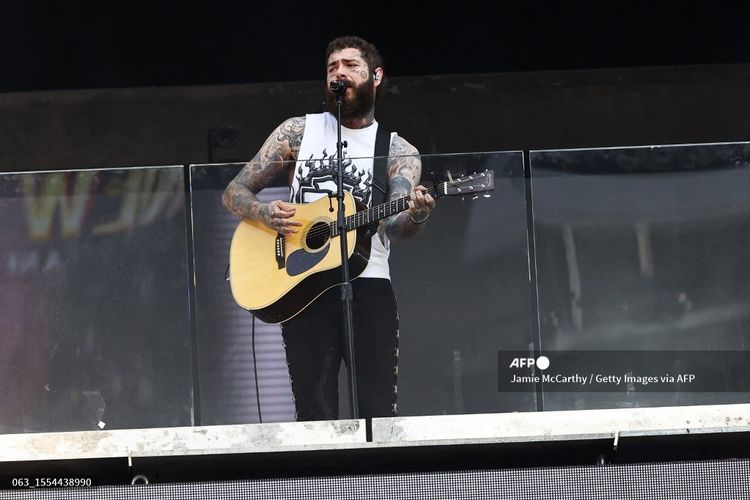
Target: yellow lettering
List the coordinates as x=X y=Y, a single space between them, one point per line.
x=41 y=207
x=73 y=208
x=128 y=206
x=159 y=188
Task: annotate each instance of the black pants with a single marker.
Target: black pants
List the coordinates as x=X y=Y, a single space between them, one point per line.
x=315 y=345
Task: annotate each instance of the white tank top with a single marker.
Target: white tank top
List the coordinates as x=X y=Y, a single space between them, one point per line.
x=316 y=166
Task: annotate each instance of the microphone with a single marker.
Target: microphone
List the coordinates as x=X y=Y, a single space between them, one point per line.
x=339 y=86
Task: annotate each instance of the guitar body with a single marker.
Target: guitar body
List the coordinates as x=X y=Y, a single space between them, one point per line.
x=276 y=286
x=276 y=277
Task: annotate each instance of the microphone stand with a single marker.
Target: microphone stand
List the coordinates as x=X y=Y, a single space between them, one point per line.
x=339 y=88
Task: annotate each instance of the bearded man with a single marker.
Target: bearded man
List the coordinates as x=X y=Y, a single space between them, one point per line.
x=303 y=150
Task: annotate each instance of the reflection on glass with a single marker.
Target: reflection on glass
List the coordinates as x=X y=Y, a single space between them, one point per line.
x=643 y=249
x=94 y=318
x=231 y=344
x=462 y=289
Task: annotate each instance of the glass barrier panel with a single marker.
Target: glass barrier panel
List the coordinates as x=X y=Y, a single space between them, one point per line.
x=462 y=288
x=94 y=309
x=232 y=345
x=643 y=275
x=640 y=296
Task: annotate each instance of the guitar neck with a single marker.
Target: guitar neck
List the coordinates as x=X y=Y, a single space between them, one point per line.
x=377 y=213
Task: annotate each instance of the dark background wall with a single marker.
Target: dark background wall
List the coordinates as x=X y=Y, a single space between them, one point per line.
x=112 y=85
x=439 y=114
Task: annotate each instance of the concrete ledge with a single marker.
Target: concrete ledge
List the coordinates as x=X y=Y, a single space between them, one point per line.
x=398 y=432
x=182 y=441
x=560 y=425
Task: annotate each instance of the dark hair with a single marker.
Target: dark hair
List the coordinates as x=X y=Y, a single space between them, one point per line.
x=368 y=51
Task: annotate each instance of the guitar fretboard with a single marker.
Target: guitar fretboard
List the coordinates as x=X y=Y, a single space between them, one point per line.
x=376 y=213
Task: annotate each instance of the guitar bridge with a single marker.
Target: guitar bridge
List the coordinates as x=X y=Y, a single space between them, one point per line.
x=280 y=251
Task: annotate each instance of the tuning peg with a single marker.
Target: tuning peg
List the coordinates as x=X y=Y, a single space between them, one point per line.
x=488 y=196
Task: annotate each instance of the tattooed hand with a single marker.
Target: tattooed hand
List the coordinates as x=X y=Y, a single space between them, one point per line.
x=420 y=205
x=275 y=158
x=278 y=216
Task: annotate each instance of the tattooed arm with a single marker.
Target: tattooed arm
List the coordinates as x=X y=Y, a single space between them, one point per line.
x=272 y=160
x=404 y=172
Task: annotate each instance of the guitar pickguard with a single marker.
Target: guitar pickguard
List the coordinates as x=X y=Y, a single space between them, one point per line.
x=301 y=260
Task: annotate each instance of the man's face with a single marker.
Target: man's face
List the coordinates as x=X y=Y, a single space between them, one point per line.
x=359 y=98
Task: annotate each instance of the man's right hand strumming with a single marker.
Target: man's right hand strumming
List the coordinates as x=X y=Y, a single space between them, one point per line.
x=274 y=159
x=278 y=216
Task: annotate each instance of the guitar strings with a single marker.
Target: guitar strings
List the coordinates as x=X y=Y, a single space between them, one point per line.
x=330 y=229
x=351 y=219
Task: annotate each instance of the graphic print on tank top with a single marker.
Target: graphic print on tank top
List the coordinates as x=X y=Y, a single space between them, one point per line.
x=317 y=176
x=314 y=177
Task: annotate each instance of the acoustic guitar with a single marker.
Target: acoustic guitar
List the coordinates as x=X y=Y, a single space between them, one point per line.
x=276 y=276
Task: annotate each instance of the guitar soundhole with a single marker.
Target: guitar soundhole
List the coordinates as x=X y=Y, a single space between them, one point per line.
x=318 y=235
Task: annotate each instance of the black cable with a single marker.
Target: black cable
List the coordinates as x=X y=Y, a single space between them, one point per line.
x=255 y=361
x=255 y=371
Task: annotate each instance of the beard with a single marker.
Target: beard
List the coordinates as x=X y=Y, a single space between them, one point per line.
x=357 y=105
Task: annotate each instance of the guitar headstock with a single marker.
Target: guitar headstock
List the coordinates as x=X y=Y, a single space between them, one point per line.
x=468 y=184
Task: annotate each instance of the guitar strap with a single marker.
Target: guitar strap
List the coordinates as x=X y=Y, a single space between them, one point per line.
x=379 y=173
x=380 y=165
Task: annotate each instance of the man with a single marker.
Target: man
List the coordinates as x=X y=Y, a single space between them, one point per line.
x=304 y=150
